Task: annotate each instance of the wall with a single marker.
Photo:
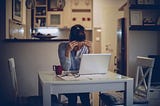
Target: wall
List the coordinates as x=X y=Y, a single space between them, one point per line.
x=139 y=43
x=105 y=15
x=2 y=30
x=30 y=58
x=158 y=45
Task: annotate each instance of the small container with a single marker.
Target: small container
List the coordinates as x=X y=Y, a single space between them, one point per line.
x=57 y=69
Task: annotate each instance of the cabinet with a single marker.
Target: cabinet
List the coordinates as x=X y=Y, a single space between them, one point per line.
x=48 y=13
x=144 y=16
x=81 y=13
x=40 y=13
x=55 y=19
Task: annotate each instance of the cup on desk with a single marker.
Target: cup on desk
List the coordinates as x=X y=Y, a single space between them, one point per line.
x=57 y=69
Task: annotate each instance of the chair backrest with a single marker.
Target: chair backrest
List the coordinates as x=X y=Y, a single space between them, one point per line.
x=12 y=70
x=143 y=75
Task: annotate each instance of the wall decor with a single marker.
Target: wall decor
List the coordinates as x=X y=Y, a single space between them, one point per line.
x=149 y=2
x=17 y=10
x=136 y=17
x=140 y=1
x=30 y=4
x=60 y=4
x=16 y=30
x=158 y=21
x=76 y=2
x=87 y=2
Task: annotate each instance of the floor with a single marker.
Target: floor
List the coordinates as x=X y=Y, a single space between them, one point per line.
x=153 y=101
x=154 y=98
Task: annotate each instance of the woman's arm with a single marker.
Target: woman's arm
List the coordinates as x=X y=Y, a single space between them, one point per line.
x=64 y=60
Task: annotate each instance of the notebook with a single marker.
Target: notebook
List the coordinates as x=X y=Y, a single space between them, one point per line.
x=94 y=64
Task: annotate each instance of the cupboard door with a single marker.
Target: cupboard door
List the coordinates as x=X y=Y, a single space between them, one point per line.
x=81 y=4
x=82 y=18
x=55 y=19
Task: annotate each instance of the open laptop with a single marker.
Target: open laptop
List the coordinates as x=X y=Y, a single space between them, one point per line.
x=94 y=64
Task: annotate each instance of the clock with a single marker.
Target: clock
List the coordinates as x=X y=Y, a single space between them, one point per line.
x=60 y=4
x=30 y=4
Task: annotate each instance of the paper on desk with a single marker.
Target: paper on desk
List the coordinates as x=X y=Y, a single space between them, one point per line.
x=83 y=77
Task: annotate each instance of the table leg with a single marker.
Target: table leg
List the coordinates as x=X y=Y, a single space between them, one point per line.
x=39 y=87
x=129 y=93
x=46 y=95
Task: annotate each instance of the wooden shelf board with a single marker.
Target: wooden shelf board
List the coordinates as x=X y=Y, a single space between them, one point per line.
x=142 y=6
x=145 y=28
x=40 y=16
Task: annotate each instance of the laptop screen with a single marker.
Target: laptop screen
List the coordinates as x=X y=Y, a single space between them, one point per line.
x=94 y=63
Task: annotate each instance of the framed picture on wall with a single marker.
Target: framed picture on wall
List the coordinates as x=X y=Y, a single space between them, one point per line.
x=158 y=21
x=151 y=2
x=136 y=18
x=140 y=1
x=17 y=10
x=16 y=30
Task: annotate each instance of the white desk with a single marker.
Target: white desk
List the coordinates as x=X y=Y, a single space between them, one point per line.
x=50 y=84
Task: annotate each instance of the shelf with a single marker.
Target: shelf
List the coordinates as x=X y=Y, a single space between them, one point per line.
x=37 y=16
x=34 y=40
x=40 y=13
x=142 y=6
x=145 y=28
x=41 y=5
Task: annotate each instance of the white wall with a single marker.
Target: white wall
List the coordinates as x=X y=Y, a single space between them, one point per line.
x=140 y=43
x=30 y=57
x=106 y=15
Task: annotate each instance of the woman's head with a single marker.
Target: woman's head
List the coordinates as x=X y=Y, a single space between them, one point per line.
x=77 y=33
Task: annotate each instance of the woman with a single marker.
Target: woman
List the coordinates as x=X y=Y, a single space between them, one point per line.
x=70 y=56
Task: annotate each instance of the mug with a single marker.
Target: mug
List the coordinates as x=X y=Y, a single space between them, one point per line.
x=57 y=69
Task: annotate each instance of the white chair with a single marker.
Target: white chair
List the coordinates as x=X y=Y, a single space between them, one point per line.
x=31 y=100
x=12 y=71
x=141 y=89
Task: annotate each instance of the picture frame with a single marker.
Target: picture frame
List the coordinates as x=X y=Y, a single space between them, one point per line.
x=149 y=2
x=158 y=21
x=17 y=10
x=16 y=30
x=140 y=1
x=136 y=18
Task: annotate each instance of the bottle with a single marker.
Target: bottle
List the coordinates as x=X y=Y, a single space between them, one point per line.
x=39 y=22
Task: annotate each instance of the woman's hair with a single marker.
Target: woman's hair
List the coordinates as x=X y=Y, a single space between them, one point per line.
x=77 y=33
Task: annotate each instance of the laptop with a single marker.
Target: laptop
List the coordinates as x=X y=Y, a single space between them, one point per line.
x=94 y=64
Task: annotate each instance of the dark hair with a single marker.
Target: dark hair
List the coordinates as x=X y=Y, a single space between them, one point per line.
x=77 y=33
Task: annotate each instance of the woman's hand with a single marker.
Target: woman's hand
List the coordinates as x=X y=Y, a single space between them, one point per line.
x=89 y=45
x=70 y=47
